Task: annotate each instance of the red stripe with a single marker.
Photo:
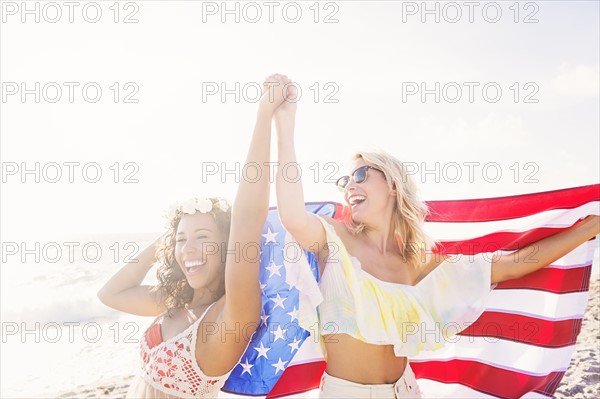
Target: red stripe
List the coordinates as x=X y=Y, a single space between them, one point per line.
x=507 y=241
x=525 y=329
x=340 y=211
x=504 y=208
x=558 y=281
x=510 y=207
x=299 y=378
x=487 y=379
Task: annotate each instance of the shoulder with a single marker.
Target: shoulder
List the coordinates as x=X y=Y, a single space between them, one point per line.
x=337 y=238
x=335 y=225
x=331 y=225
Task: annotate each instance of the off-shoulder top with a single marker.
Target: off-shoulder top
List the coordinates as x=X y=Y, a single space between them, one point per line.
x=348 y=300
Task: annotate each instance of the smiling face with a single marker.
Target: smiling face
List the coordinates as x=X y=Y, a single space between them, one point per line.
x=375 y=205
x=371 y=198
x=198 y=245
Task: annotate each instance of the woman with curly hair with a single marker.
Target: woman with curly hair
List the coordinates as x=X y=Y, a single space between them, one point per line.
x=382 y=292
x=208 y=297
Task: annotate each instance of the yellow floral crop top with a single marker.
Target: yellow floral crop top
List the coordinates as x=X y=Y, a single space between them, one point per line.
x=350 y=301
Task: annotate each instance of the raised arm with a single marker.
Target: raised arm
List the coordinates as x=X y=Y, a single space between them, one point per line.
x=124 y=291
x=303 y=225
x=545 y=251
x=249 y=213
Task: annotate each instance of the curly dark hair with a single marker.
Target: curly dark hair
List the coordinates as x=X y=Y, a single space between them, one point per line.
x=175 y=291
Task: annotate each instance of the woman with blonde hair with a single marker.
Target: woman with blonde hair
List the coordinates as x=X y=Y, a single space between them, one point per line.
x=381 y=285
x=208 y=299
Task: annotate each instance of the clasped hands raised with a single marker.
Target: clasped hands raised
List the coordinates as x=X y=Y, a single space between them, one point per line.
x=279 y=100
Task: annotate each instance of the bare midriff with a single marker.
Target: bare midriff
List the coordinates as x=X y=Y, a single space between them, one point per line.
x=354 y=360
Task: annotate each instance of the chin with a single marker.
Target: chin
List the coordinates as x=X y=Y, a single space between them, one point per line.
x=196 y=281
x=357 y=215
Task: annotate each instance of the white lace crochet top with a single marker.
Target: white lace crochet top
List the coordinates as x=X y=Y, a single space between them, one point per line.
x=169 y=368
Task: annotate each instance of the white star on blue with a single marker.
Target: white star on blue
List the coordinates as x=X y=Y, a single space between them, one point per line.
x=278 y=336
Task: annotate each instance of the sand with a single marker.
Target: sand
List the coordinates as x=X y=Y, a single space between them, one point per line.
x=582 y=379
x=116 y=388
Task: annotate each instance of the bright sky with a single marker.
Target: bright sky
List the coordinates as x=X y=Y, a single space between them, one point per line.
x=373 y=56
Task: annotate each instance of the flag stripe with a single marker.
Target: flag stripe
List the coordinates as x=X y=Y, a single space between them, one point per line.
x=557 y=218
x=464 y=392
x=508 y=355
x=540 y=304
x=452 y=390
x=502 y=208
x=530 y=330
x=556 y=280
x=497 y=241
x=536 y=395
x=470 y=373
x=299 y=378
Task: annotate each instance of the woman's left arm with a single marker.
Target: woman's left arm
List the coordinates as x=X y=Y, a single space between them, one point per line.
x=249 y=213
x=545 y=251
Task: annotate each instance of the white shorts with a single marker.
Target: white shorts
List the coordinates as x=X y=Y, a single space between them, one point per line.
x=405 y=387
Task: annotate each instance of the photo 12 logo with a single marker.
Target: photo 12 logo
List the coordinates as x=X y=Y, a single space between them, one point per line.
x=69 y=332
x=454 y=92
x=452 y=12
x=69 y=252
x=251 y=92
x=53 y=12
x=224 y=172
x=71 y=92
x=252 y=12
x=68 y=172
x=472 y=171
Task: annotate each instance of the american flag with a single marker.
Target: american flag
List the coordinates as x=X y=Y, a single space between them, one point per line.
x=520 y=346
x=280 y=360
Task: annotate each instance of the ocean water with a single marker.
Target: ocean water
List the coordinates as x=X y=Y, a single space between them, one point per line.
x=56 y=335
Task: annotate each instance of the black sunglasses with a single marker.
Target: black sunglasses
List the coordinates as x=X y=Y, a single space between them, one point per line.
x=359 y=176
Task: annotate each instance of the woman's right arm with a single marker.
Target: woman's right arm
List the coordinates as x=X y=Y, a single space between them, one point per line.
x=124 y=291
x=304 y=226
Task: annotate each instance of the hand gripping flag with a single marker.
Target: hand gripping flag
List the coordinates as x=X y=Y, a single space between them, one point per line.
x=520 y=346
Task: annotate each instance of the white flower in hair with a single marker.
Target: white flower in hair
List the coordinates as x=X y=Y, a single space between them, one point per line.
x=204 y=205
x=222 y=204
x=189 y=206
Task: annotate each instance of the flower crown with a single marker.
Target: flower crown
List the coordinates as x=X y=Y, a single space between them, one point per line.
x=193 y=205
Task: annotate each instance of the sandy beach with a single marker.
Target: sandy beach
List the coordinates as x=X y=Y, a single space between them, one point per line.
x=582 y=379
x=116 y=388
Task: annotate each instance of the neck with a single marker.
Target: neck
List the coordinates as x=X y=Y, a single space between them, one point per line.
x=381 y=235
x=202 y=297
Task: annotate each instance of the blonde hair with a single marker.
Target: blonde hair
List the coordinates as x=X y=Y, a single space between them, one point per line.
x=410 y=212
